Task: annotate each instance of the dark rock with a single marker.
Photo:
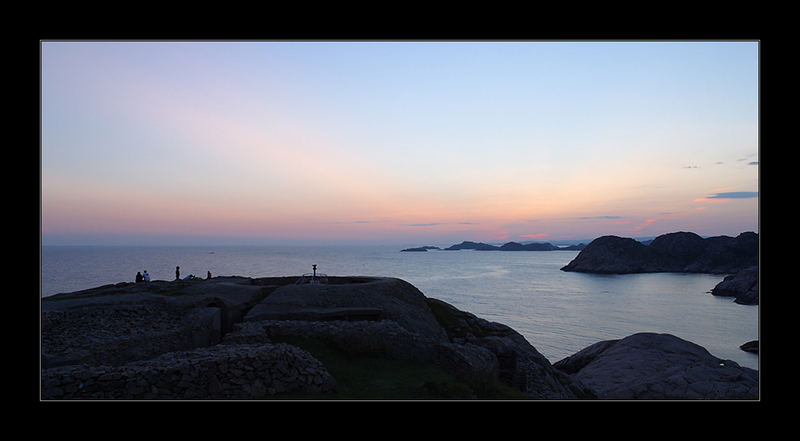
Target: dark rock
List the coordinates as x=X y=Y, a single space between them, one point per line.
x=743 y=286
x=612 y=255
x=658 y=367
x=673 y=252
x=751 y=346
x=519 y=364
x=390 y=298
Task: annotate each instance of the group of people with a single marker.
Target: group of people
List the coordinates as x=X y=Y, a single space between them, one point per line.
x=142 y=277
x=146 y=277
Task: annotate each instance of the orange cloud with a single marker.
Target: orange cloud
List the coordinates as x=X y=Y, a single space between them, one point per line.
x=534 y=236
x=646 y=223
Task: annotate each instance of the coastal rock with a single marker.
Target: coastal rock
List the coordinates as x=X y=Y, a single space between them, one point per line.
x=673 y=252
x=750 y=346
x=612 y=254
x=386 y=297
x=519 y=364
x=658 y=367
x=166 y=340
x=743 y=286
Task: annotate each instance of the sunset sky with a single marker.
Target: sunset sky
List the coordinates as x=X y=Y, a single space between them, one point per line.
x=408 y=142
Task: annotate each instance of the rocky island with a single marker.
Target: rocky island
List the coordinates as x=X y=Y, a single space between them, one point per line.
x=672 y=252
x=425 y=248
x=239 y=338
x=679 y=252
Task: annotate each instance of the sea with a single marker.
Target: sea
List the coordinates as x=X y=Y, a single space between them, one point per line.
x=558 y=312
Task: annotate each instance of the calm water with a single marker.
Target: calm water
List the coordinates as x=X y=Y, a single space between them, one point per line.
x=558 y=312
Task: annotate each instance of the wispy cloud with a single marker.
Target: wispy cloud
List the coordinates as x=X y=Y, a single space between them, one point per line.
x=646 y=223
x=735 y=195
x=350 y=222
x=753 y=163
x=534 y=236
x=435 y=224
x=728 y=195
x=598 y=217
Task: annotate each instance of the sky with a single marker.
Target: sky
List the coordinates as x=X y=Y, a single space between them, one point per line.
x=412 y=142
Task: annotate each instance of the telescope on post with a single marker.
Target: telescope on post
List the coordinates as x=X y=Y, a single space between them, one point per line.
x=312 y=278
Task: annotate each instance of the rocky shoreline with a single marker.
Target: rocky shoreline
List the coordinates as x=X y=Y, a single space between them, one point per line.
x=238 y=338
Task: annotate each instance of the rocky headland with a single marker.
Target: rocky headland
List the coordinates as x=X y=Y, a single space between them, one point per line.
x=679 y=252
x=672 y=252
x=743 y=286
x=238 y=338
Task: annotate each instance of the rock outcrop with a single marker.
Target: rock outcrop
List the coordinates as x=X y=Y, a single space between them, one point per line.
x=743 y=286
x=223 y=338
x=673 y=252
x=243 y=338
x=653 y=366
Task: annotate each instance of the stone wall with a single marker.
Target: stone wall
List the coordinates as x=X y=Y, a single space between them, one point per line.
x=114 y=335
x=238 y=371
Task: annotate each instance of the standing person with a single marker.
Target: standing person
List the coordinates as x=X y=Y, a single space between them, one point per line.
x=146 y=276
x=177 y=273
x=209 y=276
x=139 y=277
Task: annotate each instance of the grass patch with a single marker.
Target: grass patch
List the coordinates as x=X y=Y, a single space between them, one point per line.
x=373 y=376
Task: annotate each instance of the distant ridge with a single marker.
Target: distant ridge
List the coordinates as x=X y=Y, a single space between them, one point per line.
x=509 y=246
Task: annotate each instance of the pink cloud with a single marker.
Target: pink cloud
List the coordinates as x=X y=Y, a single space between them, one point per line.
x=646 y=224
x=503 y=235
x=534 y=236
x=710 y=200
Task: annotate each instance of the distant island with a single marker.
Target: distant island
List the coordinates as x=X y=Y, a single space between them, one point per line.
x=422 y=248
x=509 y=246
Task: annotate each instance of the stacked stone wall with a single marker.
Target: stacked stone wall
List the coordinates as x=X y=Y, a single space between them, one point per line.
x=218 y=372
x=124 y=333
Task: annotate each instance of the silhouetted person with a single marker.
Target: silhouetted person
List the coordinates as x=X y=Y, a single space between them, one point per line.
x=146 y=276
x=139 y=277
x=177 y=273
x=209 y=276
